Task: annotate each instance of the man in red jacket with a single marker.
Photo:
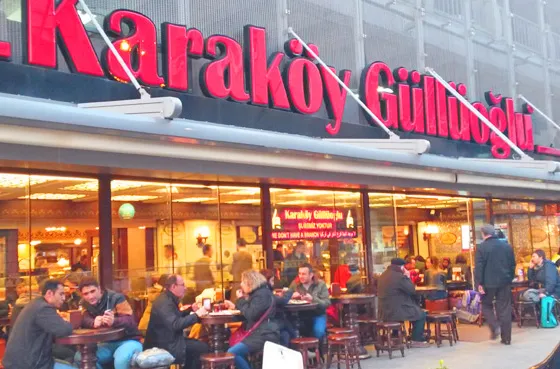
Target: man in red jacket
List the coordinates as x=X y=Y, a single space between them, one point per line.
x=108 y=308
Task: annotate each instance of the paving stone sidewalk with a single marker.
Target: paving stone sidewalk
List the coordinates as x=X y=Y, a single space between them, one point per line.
x=529 y=346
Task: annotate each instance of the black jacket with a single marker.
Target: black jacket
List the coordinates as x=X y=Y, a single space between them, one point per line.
x=253 y=308
x=547 y=276
x=397 y=297
x=31 y=338
x=166 y=326
x=495 y=264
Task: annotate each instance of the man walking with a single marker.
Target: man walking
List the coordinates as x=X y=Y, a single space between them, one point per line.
x=494 y=272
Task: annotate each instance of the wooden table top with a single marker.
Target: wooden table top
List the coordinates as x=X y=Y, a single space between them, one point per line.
x=219 y=319
x=299 y=307
x=88 y=336
x=426 y=288
x=352 y=299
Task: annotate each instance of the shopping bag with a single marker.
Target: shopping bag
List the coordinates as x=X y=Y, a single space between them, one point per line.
x=548 y=320
x=280 y=357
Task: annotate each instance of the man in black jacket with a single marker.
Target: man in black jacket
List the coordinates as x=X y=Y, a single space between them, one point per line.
x=494 y=272
x=543 y=272
x=167 y=323
x=31 y=339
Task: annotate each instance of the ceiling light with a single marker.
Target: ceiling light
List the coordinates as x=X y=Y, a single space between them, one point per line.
x=133 y=198
x=35 y=243
x=245 y=192
x=52 y=196
x=78 y=241
x=296 y=202
x=55 y=229
x=195 y=199
x=245 y=201
x=19 y=180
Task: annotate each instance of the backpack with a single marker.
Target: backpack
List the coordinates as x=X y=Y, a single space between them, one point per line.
x=548 y=320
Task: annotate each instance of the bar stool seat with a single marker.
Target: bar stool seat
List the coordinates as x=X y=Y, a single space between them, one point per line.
x=345 y=348
x=222 y=360
x=341 y=330
x=304 y=345
x=454 y=322
x=438 y=320
x=389 y=337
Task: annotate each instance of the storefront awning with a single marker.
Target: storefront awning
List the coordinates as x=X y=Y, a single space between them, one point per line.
x=201 y=146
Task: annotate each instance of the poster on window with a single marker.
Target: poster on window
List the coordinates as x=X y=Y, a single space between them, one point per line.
x=313 y=223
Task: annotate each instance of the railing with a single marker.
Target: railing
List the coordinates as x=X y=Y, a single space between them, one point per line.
x=552 y=361
x=453 y=9
x=488 y=17
x=526 y=33
x=554 y=46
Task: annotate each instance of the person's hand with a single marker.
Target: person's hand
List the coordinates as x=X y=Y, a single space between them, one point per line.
x=229 y=305
x=481 y=290
x=201 y=312
x=239 y=294
x=296 y=296
x=108 y=318
x=531 y=264
x=541 y=295
x=195 y=306
x=307 y=297
x=98 y=322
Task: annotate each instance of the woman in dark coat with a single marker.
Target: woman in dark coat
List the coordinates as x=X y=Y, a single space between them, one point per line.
x=255 y=300
x=287 y=330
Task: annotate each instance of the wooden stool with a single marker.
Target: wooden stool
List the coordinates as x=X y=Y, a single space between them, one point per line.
x=521 y=308
x=255 y=360
x=454 y=322
x=386 y=340
x=437 y=320
x=332 y=331
x=343 y=345
x=222 y=360
x=368 y=332
x=304 y=345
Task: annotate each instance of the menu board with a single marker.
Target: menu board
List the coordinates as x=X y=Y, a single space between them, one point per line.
x=313 y=223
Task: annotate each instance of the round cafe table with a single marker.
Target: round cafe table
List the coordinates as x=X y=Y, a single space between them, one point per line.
x=86 y=341
x=215 y=323
x=294 y=310
x=350 y=303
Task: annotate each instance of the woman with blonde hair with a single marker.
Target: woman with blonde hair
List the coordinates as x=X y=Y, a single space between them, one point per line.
x=256 y=302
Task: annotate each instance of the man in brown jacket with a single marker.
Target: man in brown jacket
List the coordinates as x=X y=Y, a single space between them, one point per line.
x=242 y=261
x=203 y=275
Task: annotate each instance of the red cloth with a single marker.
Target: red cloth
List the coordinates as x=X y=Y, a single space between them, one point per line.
x=414 y=275
x=342 y=275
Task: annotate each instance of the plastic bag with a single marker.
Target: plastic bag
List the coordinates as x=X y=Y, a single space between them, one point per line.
x=153 y=358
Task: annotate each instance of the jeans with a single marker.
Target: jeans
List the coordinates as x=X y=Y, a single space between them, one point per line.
x=287 y=333
x=240 y=351
x=119 y=352
x=58 y=365
x=319 y=326
x=418 y=328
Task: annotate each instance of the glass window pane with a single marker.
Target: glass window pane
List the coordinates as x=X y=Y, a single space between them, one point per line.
x=383 y=228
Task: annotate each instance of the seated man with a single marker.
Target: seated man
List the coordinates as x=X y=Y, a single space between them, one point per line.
x=311 y=289
x=110 y=309
x=397 y=300
x=544 y=274
x=167 y=323
x=31 y=339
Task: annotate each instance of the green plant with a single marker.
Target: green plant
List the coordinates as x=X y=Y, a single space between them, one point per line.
x=441 y=365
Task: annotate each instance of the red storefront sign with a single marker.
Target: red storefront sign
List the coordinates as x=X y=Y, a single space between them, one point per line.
x=290 y=80
x=313 y=223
